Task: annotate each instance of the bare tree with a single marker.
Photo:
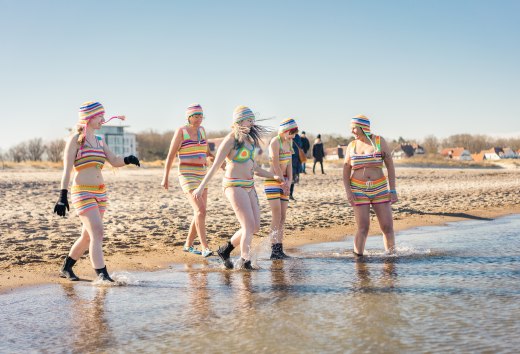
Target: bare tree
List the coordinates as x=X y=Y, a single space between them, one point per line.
x=18 y=153
x=35 y=149
x=55 y=150
x=430 y=144
x=152 y=145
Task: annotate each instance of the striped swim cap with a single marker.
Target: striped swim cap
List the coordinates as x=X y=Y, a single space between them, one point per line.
x=361 y=121
x=287 y=125
x=89 y=110
x=194 y=109
x=242 y=113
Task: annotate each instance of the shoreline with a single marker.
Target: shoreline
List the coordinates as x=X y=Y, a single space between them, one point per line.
x=18 y=277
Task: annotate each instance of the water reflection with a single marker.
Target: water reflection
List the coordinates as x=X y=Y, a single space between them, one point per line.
x=88 y=328
x=457 y=283
x=199 y=308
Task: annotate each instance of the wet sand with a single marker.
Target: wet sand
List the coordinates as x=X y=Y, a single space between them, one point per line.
x=146 y=226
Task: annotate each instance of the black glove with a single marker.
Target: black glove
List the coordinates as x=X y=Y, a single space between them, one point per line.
x=132 y=159
x=62 y=203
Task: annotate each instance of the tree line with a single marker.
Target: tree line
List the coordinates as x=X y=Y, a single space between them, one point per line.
x=152 y=145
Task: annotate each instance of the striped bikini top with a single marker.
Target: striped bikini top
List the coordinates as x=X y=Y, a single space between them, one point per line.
x=243 y=154
x=374 y=160
x=193 y=149
x=89 y=156
x=284 y=156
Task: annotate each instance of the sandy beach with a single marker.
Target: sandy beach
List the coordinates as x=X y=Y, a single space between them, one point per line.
x=146 y=226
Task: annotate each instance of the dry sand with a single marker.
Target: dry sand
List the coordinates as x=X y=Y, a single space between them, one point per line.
x=146 y=226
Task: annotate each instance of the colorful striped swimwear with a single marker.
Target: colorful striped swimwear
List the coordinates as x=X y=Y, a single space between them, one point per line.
x=237 y=182
x=273 y=190
x=370 y=192
x=193 y=149
x=85 y=198
x=89 y=156
x=191 y=176
x=373 y=160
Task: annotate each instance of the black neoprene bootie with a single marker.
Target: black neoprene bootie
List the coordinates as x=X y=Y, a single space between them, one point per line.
x=66 y=269
x=277 y=251
x=103 y=274
x=243 y=264
x=224 y=252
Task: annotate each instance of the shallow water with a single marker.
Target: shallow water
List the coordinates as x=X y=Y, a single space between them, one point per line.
x=451 y=288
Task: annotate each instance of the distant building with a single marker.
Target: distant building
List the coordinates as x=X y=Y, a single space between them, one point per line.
x=407 y=150
x=120 y=142
x=335 y=153
x=496 y=153
x=457 y=153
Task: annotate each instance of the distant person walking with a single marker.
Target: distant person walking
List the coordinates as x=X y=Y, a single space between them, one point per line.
x=190 y=145
x=238 y=149
x=296 y=163
x=366 y=184
x=318 y=153
x=86 y=154
x=306 y=145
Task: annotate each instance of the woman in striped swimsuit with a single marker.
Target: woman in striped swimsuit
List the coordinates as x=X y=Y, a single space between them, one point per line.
x=86 y=153
x=366 y=184
x=280 y=152
x=189 y=143
x=238 y=149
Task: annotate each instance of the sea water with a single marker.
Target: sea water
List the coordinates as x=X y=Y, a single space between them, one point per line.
x=452 y=288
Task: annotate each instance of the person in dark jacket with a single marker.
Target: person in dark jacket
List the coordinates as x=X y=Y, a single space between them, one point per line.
x=306 y=146
x=318 y=153
x=296 y=163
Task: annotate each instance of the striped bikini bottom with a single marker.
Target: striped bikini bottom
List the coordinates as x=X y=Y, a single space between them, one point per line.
x=190 y=176
x=247 y=184
x=370 y=192
x=273 y=190
x=85 y=198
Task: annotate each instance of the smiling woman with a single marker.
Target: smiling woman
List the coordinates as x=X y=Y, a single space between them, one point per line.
x=87 y=153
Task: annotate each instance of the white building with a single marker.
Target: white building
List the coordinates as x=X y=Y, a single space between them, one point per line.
x=120 y=142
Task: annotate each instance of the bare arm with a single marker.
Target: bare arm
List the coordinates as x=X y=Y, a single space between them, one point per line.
x=113 y=159
x=259 y=171
x=389 y=163
x=223 y=150
x=69 y=155
x=172 y=152
x=347 y=172
x=274 y=152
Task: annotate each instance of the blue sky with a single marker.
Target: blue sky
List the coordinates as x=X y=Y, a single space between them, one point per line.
x=414 y=67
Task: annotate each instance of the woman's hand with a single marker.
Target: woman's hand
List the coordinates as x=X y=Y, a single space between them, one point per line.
x=278 y=178
x=393 y=197
x=286 y=186
x=164 y=182
x=350 y=198
x=197 y=193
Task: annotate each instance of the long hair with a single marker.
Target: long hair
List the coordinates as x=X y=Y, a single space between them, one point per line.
x=255 y=134
x=81 y=135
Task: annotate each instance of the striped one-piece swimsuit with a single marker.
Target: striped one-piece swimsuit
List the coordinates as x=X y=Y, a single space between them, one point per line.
x=273 y=188
x=192 y=173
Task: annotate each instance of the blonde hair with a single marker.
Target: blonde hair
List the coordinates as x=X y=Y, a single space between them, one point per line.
x=81 y=135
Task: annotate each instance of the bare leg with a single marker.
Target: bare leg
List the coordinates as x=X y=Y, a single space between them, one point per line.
x=81 y=245
x=93 y=222
x=241 y=203
x=199 y=209
x=386 y=223
x=276 y=220
x=362 y=216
